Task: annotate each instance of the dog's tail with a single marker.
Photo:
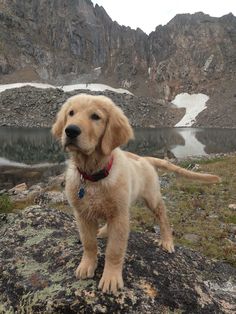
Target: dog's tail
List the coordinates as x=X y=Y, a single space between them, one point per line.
x=168 y=166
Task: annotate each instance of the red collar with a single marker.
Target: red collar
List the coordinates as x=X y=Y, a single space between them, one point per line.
x=98 y=175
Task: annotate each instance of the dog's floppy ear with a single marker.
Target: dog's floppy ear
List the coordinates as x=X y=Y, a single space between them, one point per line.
x=118 y=131
x=60 y=121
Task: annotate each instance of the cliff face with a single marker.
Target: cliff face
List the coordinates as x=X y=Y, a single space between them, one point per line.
x=72 y=41
x=193 y=53
x=64 y=40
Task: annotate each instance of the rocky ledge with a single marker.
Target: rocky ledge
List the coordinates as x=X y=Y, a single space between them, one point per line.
x=35 y=107
x=40 y=249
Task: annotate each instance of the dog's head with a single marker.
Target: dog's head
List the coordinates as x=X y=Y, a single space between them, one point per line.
x=88 y=123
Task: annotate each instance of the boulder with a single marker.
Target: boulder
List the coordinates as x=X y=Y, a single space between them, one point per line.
x=40 y=250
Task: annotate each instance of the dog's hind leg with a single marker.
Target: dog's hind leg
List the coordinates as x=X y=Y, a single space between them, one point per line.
x=102 y=232
x=156 y=204
x=166 y=233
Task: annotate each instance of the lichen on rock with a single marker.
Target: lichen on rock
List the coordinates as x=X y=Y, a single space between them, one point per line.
x=40 y=250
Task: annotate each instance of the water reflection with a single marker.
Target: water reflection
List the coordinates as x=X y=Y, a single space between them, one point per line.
x=217 y=140
x=183 y=142
x=29 y=145
x=32 y=147
x=192 y=146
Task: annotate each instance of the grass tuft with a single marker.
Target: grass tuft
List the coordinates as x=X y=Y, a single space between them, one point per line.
x=6 y=206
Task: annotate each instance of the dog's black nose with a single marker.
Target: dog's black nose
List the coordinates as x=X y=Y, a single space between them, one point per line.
x=72 y=131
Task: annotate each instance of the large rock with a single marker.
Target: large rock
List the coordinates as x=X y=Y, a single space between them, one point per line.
x=40 y=250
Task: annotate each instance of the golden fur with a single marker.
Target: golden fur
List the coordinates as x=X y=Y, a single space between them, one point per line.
x=131 y=177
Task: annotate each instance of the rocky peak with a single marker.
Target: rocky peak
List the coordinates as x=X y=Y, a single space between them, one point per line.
x=196 y=49
x=74 y=41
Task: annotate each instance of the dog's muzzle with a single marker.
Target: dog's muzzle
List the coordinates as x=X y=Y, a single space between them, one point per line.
x=72 y=131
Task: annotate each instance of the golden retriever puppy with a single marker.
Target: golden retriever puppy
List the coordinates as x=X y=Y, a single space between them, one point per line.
x=102 y=181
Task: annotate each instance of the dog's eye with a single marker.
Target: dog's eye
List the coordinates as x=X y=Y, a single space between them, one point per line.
x=71 y=113
x=94 y=116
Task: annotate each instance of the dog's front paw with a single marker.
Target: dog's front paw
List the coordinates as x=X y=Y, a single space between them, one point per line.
x=86 y=269
x=167 y=245
x=111 y=282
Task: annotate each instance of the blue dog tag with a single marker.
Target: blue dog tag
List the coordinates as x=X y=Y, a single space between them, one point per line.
x=81 y=192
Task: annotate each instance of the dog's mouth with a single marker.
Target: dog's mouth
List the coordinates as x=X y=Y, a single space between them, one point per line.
x=71 y=146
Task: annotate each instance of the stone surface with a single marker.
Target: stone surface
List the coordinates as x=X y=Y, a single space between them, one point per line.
x=40 y=249
x=18 y=188
x=232 y=206
x=191 y=237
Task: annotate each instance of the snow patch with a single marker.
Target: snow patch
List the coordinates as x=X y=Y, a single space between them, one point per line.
x=194 y=104
x=18 y=85
x=94 y=87
x=67 y=88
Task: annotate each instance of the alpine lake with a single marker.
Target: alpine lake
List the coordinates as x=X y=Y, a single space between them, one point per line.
x=31 y=155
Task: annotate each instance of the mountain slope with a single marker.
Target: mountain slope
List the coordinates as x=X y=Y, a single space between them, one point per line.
x=60 y=40
x=63 y=41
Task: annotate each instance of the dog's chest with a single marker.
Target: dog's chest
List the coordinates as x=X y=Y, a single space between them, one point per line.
x=91 y=200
